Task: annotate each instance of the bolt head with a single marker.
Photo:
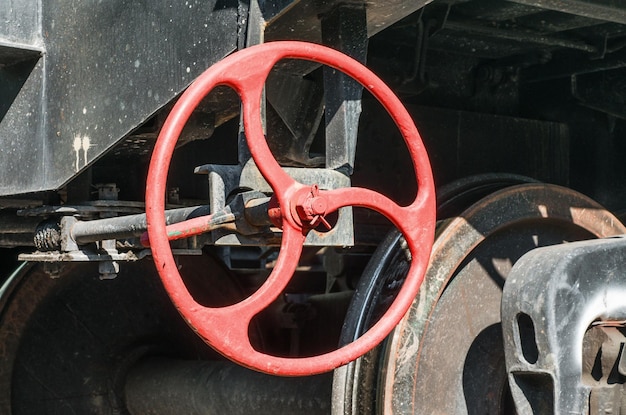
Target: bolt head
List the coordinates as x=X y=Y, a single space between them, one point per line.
x=318 y=206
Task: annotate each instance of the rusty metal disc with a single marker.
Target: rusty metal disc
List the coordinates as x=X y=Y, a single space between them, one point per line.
x=451 y=338
x=355 y=384
x=446 y=357
x=68 y=342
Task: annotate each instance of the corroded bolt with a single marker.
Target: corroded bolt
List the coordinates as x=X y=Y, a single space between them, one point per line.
x=318 y=206
x=310 y=208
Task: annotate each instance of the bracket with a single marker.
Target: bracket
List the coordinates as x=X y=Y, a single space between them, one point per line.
x=224 y=180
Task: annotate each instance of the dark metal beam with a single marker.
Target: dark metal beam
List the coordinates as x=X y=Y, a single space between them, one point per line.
x=345 y=29
x=299 y=20
x=550 y=22
x=520 y=36
x=592 y=9
x=574 y=65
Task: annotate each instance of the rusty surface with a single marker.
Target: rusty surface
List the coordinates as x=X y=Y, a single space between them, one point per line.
x=65 y=343
x=450 y=338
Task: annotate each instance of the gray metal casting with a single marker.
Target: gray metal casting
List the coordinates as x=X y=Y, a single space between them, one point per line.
x=550 y=300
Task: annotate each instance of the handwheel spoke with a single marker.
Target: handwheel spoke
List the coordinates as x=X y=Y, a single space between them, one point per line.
x=226 y=329
x=286 y=263
x=276 y=177
x=405 y=218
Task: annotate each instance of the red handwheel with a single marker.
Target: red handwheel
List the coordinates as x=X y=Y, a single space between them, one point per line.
x=303 y=207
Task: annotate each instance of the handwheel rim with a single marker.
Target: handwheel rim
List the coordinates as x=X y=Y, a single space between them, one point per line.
x=231 y=341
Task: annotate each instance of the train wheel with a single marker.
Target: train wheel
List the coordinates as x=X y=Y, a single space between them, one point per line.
x=355 y=384
x=451 y=338
x=68 y=342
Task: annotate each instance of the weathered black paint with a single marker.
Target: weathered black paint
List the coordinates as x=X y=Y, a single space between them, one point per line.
x=95 y=71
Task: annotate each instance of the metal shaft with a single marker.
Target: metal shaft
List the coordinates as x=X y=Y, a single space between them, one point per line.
x=163 y=386
x=128 y=226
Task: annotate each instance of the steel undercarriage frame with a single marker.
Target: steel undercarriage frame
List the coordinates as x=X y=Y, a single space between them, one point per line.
x=81 y=82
